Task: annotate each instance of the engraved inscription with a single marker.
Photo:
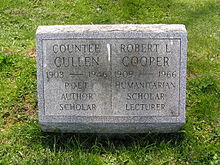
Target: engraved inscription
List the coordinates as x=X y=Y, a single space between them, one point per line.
x=111 y=77
x=75 y=48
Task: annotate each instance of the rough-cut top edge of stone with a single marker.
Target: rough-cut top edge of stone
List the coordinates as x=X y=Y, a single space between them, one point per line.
x=113 y=28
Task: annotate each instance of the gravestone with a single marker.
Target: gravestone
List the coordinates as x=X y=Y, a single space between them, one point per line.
x=111 y=78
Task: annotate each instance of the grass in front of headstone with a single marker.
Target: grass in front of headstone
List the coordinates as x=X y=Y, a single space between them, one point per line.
x=22 y=141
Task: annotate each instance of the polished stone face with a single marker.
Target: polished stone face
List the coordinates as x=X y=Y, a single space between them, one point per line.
x=111 y=80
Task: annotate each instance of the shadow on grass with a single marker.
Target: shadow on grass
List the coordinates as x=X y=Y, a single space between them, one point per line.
x=31 y=134
x=102 y=143
x=201 y=13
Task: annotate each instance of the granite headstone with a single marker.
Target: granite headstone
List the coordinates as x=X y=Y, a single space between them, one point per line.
x=111 y=78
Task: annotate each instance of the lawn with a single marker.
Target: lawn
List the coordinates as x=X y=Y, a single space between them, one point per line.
x=23 y=142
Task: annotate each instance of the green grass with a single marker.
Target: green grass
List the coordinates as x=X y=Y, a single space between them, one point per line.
x=22 y=141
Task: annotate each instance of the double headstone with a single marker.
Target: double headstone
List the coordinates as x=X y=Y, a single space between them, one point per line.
x=111 y=78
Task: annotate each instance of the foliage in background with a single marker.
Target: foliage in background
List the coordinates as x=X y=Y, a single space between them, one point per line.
x=21 y=140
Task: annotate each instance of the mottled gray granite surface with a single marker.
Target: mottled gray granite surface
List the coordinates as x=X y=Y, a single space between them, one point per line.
x=111 y=78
